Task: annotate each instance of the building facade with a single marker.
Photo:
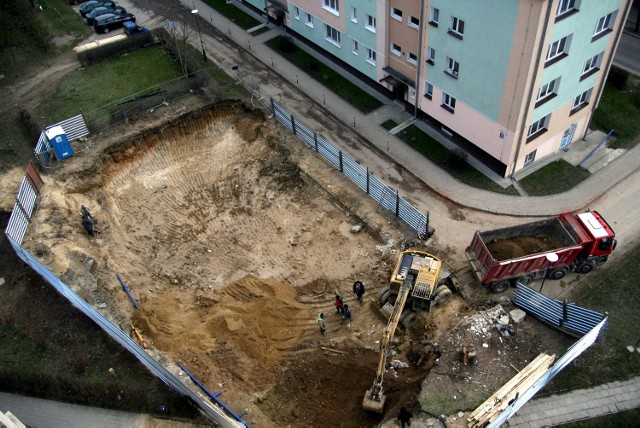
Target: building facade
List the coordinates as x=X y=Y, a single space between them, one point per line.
x=516 y=80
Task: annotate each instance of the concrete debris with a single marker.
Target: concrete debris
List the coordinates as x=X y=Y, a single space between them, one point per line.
x=102 y=305
x=357 y=228
x=1 y=281
x=631 y=348
x=397 y=364
x=517 y=315
x=460 y=414
x=503 y=320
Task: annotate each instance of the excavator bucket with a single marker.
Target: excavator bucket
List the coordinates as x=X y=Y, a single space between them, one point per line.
x=372 y=405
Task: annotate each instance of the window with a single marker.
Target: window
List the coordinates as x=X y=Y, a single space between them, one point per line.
x=396 y=13
x=354 y=14
x=603 y=26
x=558 y=49
x=434 y=16
x=591 y=66
x=566 y=6
x=431 y=56
x=332 y=35
x=396 y=49
x=296 y=12
x=354 y=47
x=538 y=127
x=309 y=21
x=412 y=58
x=448 y=102
x=371 y=23
x=581 y=101
x=428 y=90
x=371 y=56
x=453 y=67
x=547 y=91
x=414 y=22
x=331 y=6
x=457 y=27
x=530 y=157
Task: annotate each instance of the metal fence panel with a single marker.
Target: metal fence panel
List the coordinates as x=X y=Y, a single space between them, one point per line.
x=574 y=351
x=379 y=191
x=568 y=317
x=356 y=172
x=75 y=127
x=305 y=133
x=22 y=211
x=43 y=150
x=123 y=339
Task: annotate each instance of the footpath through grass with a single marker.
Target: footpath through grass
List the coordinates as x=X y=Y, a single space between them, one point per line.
x=90 y=88
x=332 y=80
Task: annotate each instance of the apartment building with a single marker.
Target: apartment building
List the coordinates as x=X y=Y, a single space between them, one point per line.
x=515 y=80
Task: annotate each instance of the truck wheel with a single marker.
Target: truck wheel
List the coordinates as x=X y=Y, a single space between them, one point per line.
x=408 y=319
x=524 y=280
x=500 y=286
x=442 y=294
x=383 y=296
x=586 y=267
x=558 y=273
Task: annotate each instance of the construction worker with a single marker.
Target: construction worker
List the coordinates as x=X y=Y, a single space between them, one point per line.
x=88 y=225
x=338 y=304
x=404 y=417
x=321 y=323
x=358 y=290
x=346 y=313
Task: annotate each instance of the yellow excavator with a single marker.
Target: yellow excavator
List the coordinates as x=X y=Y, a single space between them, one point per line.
x=419 y=281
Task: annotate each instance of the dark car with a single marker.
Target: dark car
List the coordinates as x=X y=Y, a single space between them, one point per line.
x=92 y=4
x=111 y=21
x=91 y=16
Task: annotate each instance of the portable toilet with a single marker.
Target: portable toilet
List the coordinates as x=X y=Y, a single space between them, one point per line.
x=59 y=142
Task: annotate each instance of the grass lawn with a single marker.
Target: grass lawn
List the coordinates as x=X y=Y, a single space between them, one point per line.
x=325 y=75
x=620 y=111
x=227 y=87
x=240 y=18
x=93 y=87
x=614 y=290
x=557 y=177
x=438 y=154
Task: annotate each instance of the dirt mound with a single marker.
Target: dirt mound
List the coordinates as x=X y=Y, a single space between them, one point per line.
x=521 y=246
x=260 y=318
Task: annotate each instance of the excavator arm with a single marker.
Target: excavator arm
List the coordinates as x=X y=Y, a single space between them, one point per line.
x=374 y=398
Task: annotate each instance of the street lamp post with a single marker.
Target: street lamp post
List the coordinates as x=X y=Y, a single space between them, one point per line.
x=551 y=258
x=204 y=54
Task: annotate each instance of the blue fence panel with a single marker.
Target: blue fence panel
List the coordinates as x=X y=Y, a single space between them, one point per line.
x=356 y=172
x=379 y=191
x=568 y=317
x=123 y=339
x=305 y=133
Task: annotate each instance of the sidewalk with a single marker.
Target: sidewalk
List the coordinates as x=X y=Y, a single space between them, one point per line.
x=368 y=126
x=577 y=405
x=38 y=413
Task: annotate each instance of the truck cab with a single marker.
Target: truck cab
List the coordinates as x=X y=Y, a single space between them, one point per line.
x=601 y=241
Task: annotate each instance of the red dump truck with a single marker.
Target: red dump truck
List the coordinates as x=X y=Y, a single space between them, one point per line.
x=565 y=243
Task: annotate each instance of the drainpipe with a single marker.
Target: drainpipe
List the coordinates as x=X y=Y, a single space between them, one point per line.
x=415 y=111
x=532 y=86
x=608 y=67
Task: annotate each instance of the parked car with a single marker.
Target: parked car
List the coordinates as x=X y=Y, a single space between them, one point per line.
x=92 y=4
x=132 y=29
x=91 y=16
x=111 y=21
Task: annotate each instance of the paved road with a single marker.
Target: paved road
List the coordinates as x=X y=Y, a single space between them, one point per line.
x=628 y=53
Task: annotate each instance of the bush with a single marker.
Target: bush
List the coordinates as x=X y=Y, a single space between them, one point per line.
x=618 y=78
x=30 y=124
x=313 y=65
x=457 y=160
x=286 y=44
